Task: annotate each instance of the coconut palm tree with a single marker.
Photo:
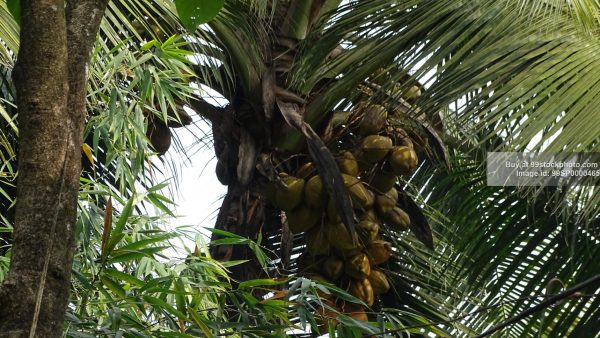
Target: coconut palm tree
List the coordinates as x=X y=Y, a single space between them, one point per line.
x=456 y=79
x=498 y=75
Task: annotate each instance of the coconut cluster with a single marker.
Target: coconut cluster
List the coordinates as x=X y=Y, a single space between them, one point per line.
x=370 y=169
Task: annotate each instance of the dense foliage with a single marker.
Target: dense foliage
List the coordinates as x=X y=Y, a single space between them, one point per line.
x=495 y=74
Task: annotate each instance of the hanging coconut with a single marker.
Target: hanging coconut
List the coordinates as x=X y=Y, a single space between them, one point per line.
x=361 y=197
x=412 y=94
x=347 y=164
x=333 y=267
x=382 y=181
x=385 y=203
x=362 y=290
x=355 y=311
x=369 y=215
x=379 y=282
x=375 y=147
x=302 y=219
x=339 y=238
x=358 y=267
x=379 y=252
x=289 y=197
x=397 y=219
x=403 y=160
x=373 y=120
x=314 y=193
x=367 y=231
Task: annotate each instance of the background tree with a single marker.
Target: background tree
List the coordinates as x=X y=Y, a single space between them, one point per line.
x=50 y=80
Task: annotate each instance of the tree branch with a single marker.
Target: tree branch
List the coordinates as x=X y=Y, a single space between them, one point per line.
x=207 y=110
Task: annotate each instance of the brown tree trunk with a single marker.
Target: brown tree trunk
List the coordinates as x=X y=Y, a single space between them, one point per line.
x=243 y=212
x=50 y=77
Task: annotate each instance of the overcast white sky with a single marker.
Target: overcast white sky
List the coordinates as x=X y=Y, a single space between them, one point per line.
x=199 y=192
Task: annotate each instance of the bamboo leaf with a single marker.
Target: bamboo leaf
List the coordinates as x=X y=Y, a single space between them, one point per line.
x=180 y=295
x=262 y=282
x=198 y=321
x=121 y=256
x=161 y=304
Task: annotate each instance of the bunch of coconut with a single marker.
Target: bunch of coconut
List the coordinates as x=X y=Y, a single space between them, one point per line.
x=370 y=171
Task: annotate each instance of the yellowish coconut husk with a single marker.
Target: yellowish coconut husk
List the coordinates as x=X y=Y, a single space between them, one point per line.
x=403 y=160
x=379 y=252
x=339 y=238
x=379 y=282
x=362 y=290
x=289 y=197
x=358 y=267
x=361 y=197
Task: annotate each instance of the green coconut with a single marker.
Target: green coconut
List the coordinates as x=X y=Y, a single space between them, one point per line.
x=347 y=164
x=339 y=238
x=289 y=197
x=302 y=219
x=362 y=198
x=314 y=193
x=403 y=160
x=375 y=147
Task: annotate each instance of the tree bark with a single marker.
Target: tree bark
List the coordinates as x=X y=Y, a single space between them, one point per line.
x=244 y=213
x=50 y=77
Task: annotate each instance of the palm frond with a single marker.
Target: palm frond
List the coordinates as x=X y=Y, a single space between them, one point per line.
x=510 y=246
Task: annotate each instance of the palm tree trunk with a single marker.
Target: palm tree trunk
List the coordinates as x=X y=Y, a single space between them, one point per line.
x=244 y=212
